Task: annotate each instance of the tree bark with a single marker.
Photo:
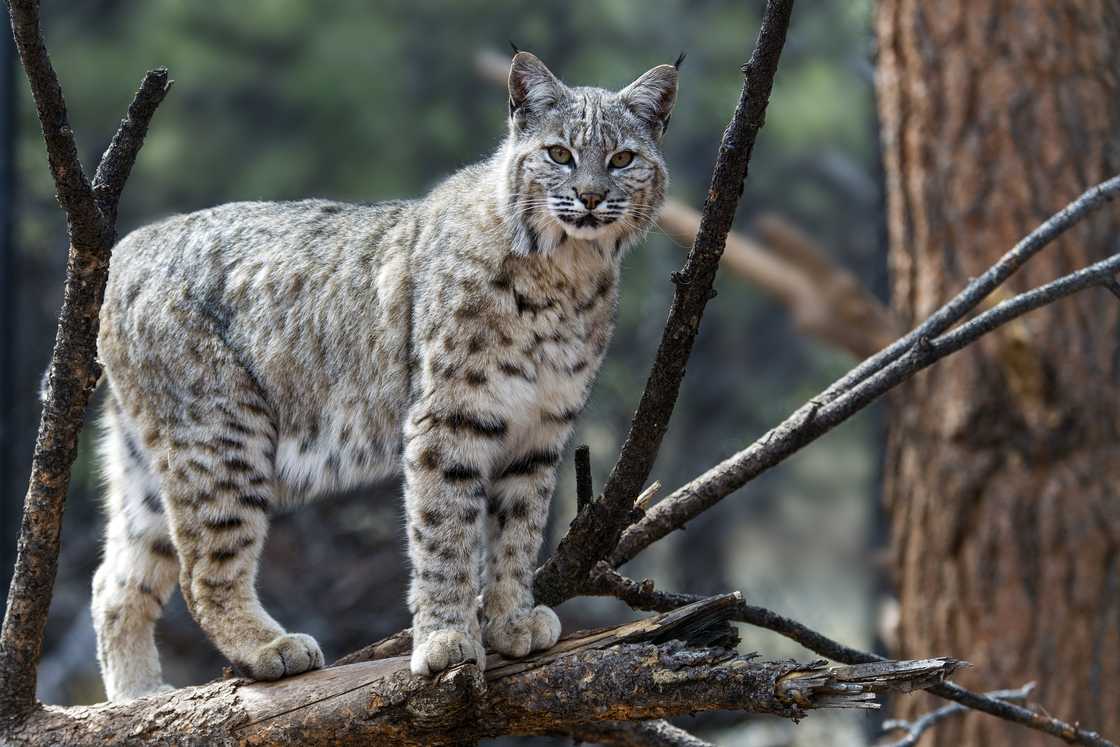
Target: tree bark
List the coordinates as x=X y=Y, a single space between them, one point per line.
x=1004 y=460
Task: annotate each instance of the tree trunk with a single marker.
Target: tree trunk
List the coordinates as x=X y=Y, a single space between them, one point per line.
x=1004 y=461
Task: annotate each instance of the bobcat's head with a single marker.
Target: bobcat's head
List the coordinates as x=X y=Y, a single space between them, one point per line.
x=583 y=163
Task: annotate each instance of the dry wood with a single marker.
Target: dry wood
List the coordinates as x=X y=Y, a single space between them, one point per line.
x=653 y=668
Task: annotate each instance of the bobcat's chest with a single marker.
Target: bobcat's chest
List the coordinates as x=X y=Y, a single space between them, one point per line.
x=561 y=329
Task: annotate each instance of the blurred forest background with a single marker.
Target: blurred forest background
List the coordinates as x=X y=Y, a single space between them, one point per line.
x=368 y=101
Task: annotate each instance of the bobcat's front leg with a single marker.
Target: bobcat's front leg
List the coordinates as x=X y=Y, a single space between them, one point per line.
x=516 y=514
x=447 y=452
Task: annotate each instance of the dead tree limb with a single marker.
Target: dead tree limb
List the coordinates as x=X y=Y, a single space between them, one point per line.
x=643 y=596
x=91 y=215
x=674 y=663
x=595 y=531
x=917 y=350
x=380 y=702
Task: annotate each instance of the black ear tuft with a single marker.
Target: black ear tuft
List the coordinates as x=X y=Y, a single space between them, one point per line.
x=651 y=97
x=515 y=49
x=532 y=87
x=676 y=64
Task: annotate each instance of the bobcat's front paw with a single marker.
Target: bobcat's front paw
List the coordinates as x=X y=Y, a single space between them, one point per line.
x=523 y=632
x=443 y=649
x=292 y=653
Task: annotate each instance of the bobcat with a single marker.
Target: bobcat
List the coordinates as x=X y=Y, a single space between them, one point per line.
x=257 y=354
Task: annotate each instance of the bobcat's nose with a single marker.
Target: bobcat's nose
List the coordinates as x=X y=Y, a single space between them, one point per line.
x=590 y=199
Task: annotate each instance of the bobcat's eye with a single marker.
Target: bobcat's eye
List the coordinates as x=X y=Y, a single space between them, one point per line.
x=622 y=159
x=560 y=154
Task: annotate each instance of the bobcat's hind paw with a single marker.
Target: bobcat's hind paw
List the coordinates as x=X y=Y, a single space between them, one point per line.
x=521 y=633
x=283 y=656
x=445 y=648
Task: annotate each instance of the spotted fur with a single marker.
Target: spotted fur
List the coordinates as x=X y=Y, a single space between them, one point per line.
x=259 y=354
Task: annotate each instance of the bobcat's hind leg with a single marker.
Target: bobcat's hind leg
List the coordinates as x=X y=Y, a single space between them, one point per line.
x=139 y=569
x=219 y=488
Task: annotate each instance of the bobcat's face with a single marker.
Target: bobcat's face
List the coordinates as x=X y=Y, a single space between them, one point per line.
x=585 y=162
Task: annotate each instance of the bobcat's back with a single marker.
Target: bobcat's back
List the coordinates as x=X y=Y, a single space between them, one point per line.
x=312 y=298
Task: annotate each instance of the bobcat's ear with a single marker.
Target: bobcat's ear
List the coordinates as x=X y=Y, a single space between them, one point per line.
x=532 y=87
x=651 y=97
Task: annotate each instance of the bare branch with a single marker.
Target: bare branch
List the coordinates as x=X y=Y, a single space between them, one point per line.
x=398 y=644
x=637 y=734
x=380 y=702
x=916 y=728
x=73 y=189
x=73 y=369
x=643 y=596
x=870 y=380
x=118 y=159
x=595 y=531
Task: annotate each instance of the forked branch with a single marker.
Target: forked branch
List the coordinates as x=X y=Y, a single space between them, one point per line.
x=643 y=596
x=91 y=215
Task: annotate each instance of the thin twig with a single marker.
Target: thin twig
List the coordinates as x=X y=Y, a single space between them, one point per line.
x=1113 y=287
x=595 y=532
x=118 y=159
x=605 y=581
x=916 y=728
x=979 y=289
x=637 y=734
x=822 y=414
